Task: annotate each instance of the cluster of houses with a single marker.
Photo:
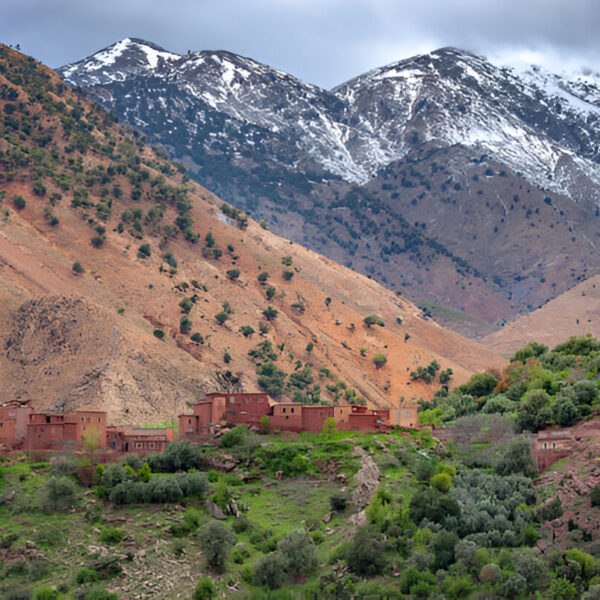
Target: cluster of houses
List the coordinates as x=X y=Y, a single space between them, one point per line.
x=21 y=428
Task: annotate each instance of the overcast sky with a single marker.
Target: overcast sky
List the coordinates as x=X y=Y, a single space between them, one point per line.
x=324 y=42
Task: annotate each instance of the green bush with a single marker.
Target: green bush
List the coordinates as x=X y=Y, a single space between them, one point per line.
x=86 y=575
x=111 y=535
x=442 y=482
x=204 y=589
x=338 y=502
x=77 y=268
x=233 y=274
x=379 y=359
x=45 y=593
x=159 y=333
x=373 y=320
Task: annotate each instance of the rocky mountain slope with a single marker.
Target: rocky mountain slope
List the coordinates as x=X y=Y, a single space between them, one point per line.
x=377 y=167
x=130 y=288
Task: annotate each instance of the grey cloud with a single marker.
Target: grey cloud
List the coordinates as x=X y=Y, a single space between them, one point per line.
x=323 y=42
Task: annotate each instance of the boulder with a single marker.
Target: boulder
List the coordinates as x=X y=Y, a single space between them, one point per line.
x=214 y=511
x=366 y=480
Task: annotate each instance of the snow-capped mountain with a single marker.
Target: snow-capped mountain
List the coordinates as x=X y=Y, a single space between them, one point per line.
x=375 y=167
x=539 y=125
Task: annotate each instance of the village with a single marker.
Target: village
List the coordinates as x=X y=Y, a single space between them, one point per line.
x=21 y=428
x=24 y=429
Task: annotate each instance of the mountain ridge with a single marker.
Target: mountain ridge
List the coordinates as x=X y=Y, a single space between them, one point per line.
x=300 y=156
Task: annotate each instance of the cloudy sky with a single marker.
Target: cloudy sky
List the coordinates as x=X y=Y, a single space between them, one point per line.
x=323 y=42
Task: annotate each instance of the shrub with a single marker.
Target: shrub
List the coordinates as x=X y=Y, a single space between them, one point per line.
x=59 y=494
x=197 y=337
x=86 y=575
x=338 y=501
x=379 y=360
x=144 y=251
x=204 y=589
x=270 y=313
x=287 y=274
x=19 y=202
x=595 y=496
x=270 y=571
x=45 y=593
x=221 y=317
x=233 y=274
x=265 y=425
x=240 y=524
x=159 y=333
x=111 y=535
x=216 y=541
x=270 y=292
x=185 y=325
x=246 y=330
x=442 y=482
x=373 y=320
x=186 y=305
x=77 y=268
x=516 y=458
x=263 y=276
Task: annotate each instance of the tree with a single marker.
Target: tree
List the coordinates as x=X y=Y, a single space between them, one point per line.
x=595 y=496
x=565 y=413
x=287 y=274
x=329 y=426
x=233 y=274
x=221 y=317
x=366 y=552
x=534 y=411
x=77 y=268
x=270 y=313
x=443 y=545
x=379 y=359
x=209 y=239
x=59 y=494
x=299 y=551
x=265 y=424
x=516 y=458
x=91 y=440
x=197 y=338
x=263 y=328
x=270 y=571
x=262 y=277
x=216 y=541
x=373 y=320
x=270 y=292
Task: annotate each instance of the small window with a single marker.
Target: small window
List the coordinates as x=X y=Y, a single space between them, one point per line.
x=139 y=445
x=545 y=445
x=292 y=410
x=99 y=419
x=82 y=419
x=231 y=400
x=408 y=414
x=553 y=445
x=283 y=410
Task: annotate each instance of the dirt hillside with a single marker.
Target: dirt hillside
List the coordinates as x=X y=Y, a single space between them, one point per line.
x=155 y=248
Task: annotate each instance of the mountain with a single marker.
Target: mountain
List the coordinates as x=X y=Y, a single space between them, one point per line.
x=575 y=312
x=128 y=287
x=381 y=172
